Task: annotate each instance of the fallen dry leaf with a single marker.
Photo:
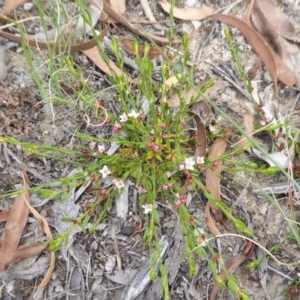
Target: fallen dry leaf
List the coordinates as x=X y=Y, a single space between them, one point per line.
x=290 y=54
x=249 y=128
x=213 y=176
x=271 y=22
x=4 y=216
x=255 y=40
x=110 y=69
x=284 y=73
x=210 y=221
x=188 y=14
x=153 y=52
x=248 y=124
x=231 y=265
x=187 y=96
x=148 y=36
x=10 y=5
x=248 y=12
x=15 y=225
x=48 y=234
x=119 y=6
x=28 y=251
x=268 y=16
x=200 y=112
x=17 y=219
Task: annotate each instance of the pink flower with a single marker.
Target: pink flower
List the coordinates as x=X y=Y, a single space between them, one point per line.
x=182 y=122
x=262 y=123
x=141 y=117
x=165 y=136
x=165 y=187
x=117 y=128
x=105 y=121
x=163 y=126
x=177 y=203
x=142 y=190
x=155 y=148
x=183 y=200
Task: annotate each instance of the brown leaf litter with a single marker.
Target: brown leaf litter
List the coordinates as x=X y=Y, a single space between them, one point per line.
x=13 y=231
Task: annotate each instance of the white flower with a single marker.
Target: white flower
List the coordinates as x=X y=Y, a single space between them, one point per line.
x=123 y=118
x=101 y=148
x=104 y=171
x=181 y=167
x=133 y=114
x=148 y=208
x=118 y=183
x=200 y=160
x=189 y=163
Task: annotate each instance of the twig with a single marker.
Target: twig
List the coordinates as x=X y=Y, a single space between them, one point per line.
x=148 y=12
x=228 y=78
x=116 y=247
x=279 y=273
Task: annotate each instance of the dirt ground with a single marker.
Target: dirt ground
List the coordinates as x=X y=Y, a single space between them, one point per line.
x=106 y=264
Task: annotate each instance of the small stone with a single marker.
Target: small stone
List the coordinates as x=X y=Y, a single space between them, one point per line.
x=110 y=264
x=190 y=3
x=127 y=230
x=184 y=269
x=94 y=245
x=169 y=224
x=28 y=6
x=3 y=70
